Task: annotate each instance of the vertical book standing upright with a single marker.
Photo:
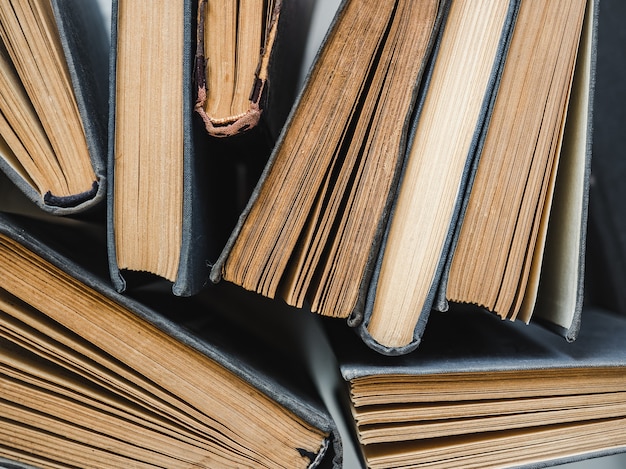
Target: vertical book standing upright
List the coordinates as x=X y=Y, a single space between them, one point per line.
x=482 y=393
x=247 y=64
x=156 y=217
x=91 y=378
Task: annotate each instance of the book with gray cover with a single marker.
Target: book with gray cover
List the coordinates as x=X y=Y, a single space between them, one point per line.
x=107 y=379
x=480 y=391
x=85 y=44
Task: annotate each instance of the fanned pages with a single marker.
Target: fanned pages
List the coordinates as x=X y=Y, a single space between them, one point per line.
x=512 y=192
x=559 y=284
x=313 y=223
x=91 y=378
x=53 y=101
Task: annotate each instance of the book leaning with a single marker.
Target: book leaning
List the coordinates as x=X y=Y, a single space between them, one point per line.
x=376 y=210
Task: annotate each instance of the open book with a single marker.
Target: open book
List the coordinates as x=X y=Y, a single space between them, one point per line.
x=425 y=166
x=91 y=378
x=53 y=101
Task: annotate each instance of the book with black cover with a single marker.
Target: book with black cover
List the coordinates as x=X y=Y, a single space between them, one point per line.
x=109 y=381
x=85 y=45
x=482 y=392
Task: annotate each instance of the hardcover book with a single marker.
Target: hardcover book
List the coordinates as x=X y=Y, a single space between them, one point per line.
x=171 y=187
x=240 y=74
x=157 y=222
x=482 y=392
x=53 y=68
x=91 y=378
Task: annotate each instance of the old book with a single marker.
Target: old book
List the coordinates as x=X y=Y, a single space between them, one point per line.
x=53 y=92
x=508 y=230
x=482 y=392
x=91 y=378
x=248 y=68
x=241 y=76
x=308 y=232
x=548 y=184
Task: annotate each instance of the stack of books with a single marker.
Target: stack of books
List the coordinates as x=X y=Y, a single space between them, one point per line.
x=196 y=244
